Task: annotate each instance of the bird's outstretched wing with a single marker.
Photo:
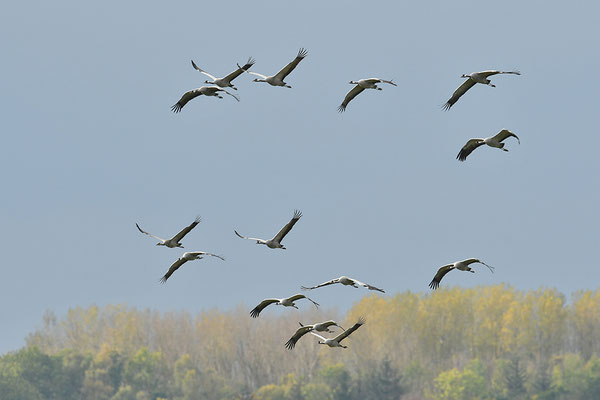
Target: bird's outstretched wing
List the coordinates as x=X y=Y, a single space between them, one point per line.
x=203 y=253
x=355 y=91
x=331 y=282
x=435 y=282
x=288 y=227
x=290 y=344
x=504 y=134
x=285 y=71
x=468 y=148
x=187 y=96
x=257 y=74
x=317 y=335
x=174 y=267
x=240 y=70
x=494 y=72
x=203 y=71
x=370 y=287
x=348 y=332
x=462 y=89
x=149 y=234
x=186 y=230
x=246 y=237
x=256 y=310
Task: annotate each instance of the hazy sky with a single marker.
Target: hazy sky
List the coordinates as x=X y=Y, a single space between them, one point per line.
x=90 y=147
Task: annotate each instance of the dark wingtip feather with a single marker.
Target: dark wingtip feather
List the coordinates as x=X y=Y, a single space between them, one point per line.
x=341 y=108
x=248 y=64
x=302 y=52
x=434 y=284
x=446 y=106
x=176 y=108
x=254 y=313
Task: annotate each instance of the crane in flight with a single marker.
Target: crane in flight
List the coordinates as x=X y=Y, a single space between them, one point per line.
x=287 y=302
x=277 y=79
x=493 y=141
x=344 y=280
x=187 y=256
x=361 y=85
x=335 y=342
x=472 y=79
x=459 y=265
x=304 y=329
x=174 y=241
x=275 y=243
x=225 y=82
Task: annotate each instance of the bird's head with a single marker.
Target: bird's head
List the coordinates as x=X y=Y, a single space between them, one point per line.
x=207 y=81
x=465 y=76
x=320 y=342
x=353 y=83
x=283 y=248
x=160 y=244
x=255 y=80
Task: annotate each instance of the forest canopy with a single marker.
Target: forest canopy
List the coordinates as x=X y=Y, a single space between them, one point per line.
x=492 y=342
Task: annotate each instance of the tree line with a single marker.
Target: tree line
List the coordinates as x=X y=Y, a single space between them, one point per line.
x=491 y=342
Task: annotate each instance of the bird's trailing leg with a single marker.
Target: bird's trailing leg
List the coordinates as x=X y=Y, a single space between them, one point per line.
x=489 y=266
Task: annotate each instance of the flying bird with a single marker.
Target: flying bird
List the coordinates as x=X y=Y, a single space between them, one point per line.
x=335 y=342
x=460 y=265
x=493 y=141
x=225 y=82
x=187 y=256
x=361 y=85
x=277 y=79
x=472 y=79
x=275 y=243
x=304 y=329
x=204 y=90
x=344 y=280
x=174 y=241
x=287 y=302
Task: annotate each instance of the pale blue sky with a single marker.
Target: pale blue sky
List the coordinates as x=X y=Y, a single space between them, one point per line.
x=90 y=147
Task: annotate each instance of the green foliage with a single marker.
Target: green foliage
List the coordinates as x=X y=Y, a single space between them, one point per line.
x=456 y=385
x=481 y=343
